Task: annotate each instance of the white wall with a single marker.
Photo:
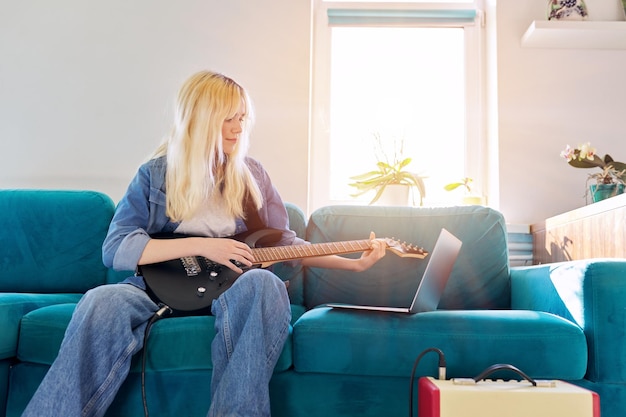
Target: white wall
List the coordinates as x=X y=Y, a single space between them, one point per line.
x=549 y=98
x=86 y=88
x=86 y=91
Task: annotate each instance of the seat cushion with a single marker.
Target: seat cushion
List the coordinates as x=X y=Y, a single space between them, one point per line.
x=13 y=306
x=180 y=343
x=387 y=344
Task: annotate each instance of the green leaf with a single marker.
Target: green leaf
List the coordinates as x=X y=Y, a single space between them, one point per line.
x=387 y=174
x=365 y=176
x=619 y=166
x=453 y=186
x=404 y=163
x=586 y=163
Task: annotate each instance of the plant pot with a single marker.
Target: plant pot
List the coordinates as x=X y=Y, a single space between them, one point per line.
x=601 y=192
x=473 y=200
x=394 y=195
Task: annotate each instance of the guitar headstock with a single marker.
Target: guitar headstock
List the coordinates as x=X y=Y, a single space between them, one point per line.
x=405 y=250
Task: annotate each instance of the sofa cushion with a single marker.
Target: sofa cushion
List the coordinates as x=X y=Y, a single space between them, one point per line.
x=480 y=277
x=174 y=344
x=589 y=292
x=13 y=306
x=51 y=241
x=386 y=344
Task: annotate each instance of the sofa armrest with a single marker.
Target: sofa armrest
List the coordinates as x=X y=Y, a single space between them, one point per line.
x=13 y=306
x=590 y=293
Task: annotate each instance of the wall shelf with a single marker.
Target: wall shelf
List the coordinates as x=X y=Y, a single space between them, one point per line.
x=575 y=34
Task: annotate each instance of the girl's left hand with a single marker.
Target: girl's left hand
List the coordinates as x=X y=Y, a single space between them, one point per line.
x=370 y=257
x=367 y=259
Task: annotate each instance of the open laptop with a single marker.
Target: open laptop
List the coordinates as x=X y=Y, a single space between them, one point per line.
x=433 y=283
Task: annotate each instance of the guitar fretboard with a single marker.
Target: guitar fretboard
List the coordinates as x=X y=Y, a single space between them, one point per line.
x=288 y=253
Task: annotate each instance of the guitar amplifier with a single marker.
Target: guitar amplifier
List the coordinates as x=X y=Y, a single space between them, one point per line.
x=488 y=398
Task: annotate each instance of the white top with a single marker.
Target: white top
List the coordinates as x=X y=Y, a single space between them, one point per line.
x=211 y=220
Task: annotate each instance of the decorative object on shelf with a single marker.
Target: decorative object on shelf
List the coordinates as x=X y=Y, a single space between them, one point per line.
x=567 y=10
x=389 y=173
x=601 y=192
x=609 y=181
x=593 y=10
x=605 y=10
x=470 y=198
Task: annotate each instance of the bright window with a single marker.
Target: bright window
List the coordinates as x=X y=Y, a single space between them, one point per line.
x=391 y=83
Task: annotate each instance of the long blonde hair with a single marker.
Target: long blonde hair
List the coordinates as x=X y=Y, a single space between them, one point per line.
x=197 y=166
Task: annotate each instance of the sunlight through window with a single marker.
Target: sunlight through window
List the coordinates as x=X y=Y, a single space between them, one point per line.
x=392 y=81
x=397 y=93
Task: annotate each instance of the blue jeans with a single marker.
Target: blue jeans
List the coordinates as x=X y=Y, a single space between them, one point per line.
x=107 y=329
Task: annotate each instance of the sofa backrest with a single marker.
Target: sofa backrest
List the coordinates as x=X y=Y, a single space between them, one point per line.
x=287 y=272
x=480 y=277
x=51 y=240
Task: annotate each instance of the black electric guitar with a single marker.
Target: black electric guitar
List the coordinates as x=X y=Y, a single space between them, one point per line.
x=191 y=283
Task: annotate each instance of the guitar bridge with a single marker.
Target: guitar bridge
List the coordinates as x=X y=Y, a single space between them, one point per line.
x=191 y=265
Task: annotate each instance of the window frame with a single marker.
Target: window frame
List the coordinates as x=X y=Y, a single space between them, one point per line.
x=476 y=142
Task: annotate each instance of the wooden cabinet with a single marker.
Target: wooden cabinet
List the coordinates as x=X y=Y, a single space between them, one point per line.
x=597 y=230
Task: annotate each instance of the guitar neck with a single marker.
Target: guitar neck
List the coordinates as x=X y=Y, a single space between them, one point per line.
x=271 y=255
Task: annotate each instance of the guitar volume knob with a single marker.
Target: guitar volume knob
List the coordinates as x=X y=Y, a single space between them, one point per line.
x=200 y=291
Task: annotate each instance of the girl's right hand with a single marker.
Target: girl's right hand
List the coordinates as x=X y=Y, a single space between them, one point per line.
x=227 y=252
x=221 y=250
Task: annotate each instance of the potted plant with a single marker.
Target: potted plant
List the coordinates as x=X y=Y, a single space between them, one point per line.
x=609 y=181
x=470 y=197
x=390 y=173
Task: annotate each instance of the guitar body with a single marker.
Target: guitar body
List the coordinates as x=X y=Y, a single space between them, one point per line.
x=189 y=285
x=190 y=292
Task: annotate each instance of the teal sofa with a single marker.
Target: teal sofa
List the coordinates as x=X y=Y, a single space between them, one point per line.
x=562 y=321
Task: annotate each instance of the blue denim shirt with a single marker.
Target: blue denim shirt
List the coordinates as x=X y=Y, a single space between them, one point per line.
x=141 y=212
